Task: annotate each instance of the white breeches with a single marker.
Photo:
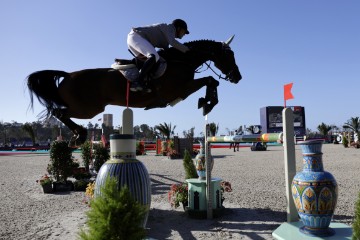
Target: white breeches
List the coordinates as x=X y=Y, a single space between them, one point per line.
x=139 y=45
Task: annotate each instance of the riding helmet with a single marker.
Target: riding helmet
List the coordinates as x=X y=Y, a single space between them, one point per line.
x=179 y=23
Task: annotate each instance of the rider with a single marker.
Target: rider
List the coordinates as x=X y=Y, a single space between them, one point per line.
x=143 y=40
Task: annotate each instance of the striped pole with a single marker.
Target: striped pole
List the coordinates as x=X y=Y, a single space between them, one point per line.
x=265 y=137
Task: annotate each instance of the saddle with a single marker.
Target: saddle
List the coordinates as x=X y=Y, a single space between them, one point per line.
x=130 y=68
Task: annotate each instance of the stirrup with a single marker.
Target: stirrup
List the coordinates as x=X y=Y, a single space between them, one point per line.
x=135 y=86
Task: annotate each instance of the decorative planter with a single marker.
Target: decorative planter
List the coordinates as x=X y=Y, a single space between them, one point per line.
x=63 y=186
x=47 y=188
x=314 y=191
x=128 y=171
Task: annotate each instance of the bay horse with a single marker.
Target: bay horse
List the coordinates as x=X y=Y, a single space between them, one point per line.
x=84 y=94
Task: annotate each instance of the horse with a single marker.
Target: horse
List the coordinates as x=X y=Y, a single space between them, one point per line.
x=84 y=94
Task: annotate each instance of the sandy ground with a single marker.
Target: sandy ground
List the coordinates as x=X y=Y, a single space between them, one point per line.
x=255 y=208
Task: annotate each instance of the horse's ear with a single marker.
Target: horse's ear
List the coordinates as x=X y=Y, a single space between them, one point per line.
x=227 y=42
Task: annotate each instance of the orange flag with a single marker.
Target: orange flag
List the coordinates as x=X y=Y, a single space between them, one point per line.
x=287 y=92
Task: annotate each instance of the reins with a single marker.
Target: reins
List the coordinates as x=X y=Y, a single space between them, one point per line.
x=209 y=67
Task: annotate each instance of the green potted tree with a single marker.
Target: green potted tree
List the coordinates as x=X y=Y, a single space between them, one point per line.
x=356 y=224
x=101 y=155
x=190 y=170
x=86 y=154
x=114 y=214
x=61 y=165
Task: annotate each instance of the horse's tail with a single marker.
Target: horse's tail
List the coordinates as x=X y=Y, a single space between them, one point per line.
x=44 y=84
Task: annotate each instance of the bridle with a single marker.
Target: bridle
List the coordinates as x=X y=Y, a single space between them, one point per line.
x=208 y=64
x=220 y=76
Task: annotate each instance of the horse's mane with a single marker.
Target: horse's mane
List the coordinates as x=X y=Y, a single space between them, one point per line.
x=200 y=45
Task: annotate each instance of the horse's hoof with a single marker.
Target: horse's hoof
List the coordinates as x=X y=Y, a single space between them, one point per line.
x=201 y=102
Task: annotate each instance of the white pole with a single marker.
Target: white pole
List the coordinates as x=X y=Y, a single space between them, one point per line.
x=208 y=174
x=290 y=162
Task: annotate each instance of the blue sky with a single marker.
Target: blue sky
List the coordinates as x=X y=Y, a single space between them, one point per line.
x=314 y=44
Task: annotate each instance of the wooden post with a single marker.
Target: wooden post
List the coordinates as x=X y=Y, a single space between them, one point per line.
x=290 y=162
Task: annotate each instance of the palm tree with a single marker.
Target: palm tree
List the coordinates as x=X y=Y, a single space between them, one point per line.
x=353 y=124
x=166 y=130
x=213 y=128
x=190 y=133
x=324 y=130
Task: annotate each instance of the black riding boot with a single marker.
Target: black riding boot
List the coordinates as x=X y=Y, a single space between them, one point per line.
x=139 y=84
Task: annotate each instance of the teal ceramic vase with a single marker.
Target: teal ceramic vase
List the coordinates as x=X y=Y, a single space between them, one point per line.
x=314 y=191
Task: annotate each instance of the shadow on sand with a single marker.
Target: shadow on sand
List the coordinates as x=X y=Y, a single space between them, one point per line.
x=234 y=222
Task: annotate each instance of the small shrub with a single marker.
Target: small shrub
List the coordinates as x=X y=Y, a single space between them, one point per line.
x=61 y=161
x=80 y=185
x=356 y=224
x=114 y=215
x=101 y=155
x=345 y=142
x=86 y=154
x=190 y=170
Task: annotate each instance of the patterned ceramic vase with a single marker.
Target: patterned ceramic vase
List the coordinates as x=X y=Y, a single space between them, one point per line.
x=129 y=171
x=314 y=191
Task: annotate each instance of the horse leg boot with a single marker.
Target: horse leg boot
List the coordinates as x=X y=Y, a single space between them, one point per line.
x=211 y=83
x=212 y=96
x=147 y=66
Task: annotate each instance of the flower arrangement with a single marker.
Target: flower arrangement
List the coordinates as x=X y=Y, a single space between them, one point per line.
x=172 y=153
x=44 y=180
x=89 y=193
x=225 y=187
x=178 y=193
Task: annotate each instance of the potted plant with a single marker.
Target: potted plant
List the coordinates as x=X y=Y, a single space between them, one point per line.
x=190 y=170
x=356 y=224
x=114 y=214
x=140 y=148
x=86 y=154
x=101 y=155
x=345 y=142
x=46 y=183
x=178 y=194
x=81 y=184
x=225 y=187
x=61 y=165
x=164 y=148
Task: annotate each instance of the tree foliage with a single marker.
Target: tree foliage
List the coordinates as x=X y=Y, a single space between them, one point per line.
x=356 y=224
x=353 y=124
x=324 y=129
x=114 y=215
x=190 y=170
x=86 y=154
x=166 y=130
x=27 y=127
x=61 y=161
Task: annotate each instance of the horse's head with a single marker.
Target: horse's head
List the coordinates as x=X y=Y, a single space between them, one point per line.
x=225 y=61
x=221 y=54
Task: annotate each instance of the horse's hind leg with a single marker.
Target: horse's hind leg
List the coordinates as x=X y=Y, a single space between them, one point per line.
x=80 y=133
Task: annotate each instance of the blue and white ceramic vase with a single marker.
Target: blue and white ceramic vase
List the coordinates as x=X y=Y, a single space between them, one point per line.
x=129 y=171
x=314 y=191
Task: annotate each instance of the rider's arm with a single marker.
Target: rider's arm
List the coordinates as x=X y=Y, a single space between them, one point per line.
x=169 y=32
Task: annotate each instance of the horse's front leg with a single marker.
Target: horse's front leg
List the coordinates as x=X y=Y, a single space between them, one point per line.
x=211 y=97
